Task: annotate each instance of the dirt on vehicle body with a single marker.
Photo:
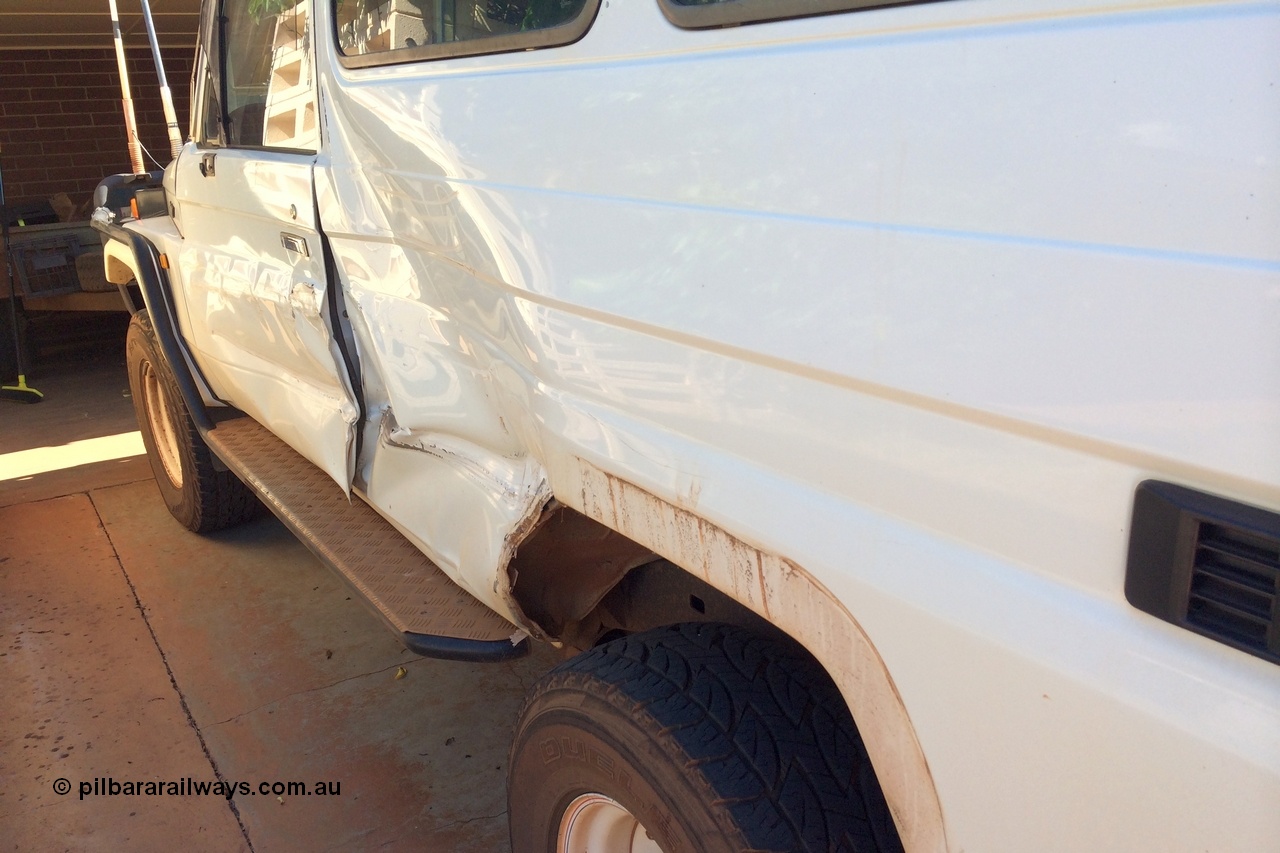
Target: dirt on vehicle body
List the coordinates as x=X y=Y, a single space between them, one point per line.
x=928 y=347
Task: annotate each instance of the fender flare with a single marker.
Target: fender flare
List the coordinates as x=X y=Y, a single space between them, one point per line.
x=797 y=603
x=127 y=256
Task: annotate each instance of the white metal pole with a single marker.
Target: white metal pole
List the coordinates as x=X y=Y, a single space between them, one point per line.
x=130 y=119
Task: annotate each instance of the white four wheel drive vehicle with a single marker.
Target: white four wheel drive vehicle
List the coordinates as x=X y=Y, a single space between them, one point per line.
x=885 y=401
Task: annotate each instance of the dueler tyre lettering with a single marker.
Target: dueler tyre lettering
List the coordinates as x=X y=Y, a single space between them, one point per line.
x=198 y=495
x=703 y=738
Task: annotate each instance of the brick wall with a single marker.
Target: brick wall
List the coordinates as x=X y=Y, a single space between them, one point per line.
x=62 y=124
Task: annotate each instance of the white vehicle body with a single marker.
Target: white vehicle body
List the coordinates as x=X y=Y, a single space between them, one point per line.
x=874 y=321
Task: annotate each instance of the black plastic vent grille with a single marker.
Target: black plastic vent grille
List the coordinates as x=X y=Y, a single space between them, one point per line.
x=1234 y=587
x=1208 y=564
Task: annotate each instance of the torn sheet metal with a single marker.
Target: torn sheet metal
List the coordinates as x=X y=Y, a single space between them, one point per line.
x=466 y=508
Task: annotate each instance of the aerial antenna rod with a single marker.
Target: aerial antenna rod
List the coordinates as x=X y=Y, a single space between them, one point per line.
x=130 y=119
x=166 y=97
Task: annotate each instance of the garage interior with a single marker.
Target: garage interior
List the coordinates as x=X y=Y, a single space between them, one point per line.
x=135 y=652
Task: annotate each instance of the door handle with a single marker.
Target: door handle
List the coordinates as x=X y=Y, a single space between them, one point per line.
x=206 y=164
x=295 y=244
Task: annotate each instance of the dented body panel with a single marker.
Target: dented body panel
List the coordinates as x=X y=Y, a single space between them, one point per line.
x=873 y=322
x=254 y=299
x=908 y=371
x=466 y=509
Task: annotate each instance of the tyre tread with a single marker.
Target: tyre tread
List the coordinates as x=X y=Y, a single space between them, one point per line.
x=218 y=499
x=759 y=721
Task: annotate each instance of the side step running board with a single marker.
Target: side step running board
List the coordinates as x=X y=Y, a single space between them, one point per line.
x=435 y=617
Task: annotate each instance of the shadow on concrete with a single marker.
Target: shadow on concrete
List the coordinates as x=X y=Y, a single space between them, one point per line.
x=133 y=650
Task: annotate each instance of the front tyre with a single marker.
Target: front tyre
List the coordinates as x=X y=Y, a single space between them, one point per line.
x=198 y=494
x=698 y=737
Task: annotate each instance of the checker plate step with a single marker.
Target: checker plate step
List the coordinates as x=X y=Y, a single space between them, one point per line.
x=436 y=616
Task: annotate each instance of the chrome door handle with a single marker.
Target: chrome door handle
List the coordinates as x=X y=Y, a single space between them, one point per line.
x=207 y=164
x=295 y=244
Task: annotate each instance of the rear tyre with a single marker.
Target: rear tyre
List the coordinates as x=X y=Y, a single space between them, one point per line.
x=697 y=737
x=201 y=497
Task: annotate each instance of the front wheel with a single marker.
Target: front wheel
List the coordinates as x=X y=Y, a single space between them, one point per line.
x=698 y=737
x=198 y=494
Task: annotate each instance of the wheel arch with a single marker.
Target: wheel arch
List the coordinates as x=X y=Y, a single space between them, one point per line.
x=128 y=256
x=785 y=595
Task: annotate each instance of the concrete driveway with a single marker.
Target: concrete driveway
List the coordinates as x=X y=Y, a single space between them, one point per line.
x=142 y=663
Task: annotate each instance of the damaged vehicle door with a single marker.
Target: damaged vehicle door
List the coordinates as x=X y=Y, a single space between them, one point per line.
x=253 y=259
x=873 y=405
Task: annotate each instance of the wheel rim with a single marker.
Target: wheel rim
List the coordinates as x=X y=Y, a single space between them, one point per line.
x=160 y=420
x=594 y=823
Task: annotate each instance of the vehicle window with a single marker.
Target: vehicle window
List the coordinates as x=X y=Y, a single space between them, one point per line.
x=420 y=29
x=268 y=84
x=698 y=14
x=209 y=112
